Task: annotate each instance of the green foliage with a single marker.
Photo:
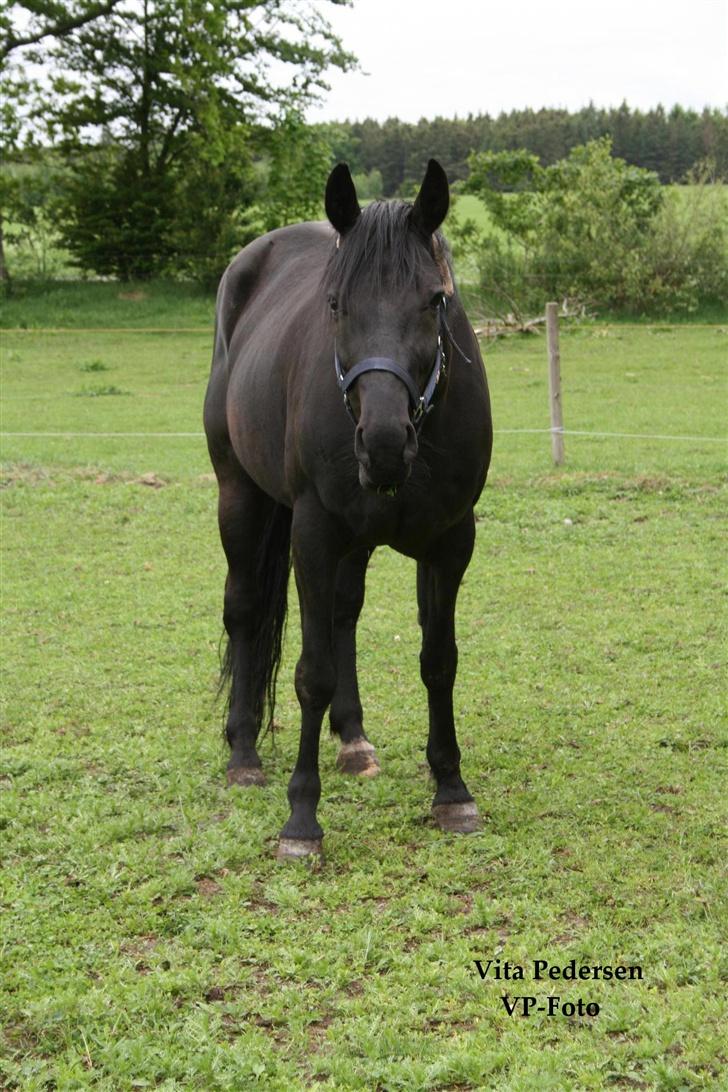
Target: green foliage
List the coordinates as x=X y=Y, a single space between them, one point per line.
x=183 y=96
x=21 y=203
x=296 y=167
x=29 y=192
x=590 y=228
x=686 y=256
x=213 y=217
x=113 y=221
x=597 y=214
x=369 y=187
x=47 y=19
x=495 y=176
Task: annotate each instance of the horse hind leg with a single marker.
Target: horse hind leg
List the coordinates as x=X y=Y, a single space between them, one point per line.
x=356 y=755
x=255 y=535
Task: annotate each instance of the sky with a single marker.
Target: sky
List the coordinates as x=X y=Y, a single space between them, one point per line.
x=424 y=58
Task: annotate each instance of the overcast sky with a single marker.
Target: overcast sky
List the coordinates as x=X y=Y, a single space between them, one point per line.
x=421 y=58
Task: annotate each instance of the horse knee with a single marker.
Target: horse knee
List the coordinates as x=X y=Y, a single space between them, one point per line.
x=315 y=683
x=439 y=668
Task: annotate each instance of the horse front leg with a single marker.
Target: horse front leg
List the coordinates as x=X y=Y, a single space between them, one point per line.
x=316 y=552
x=438 y=581
x=356 y=754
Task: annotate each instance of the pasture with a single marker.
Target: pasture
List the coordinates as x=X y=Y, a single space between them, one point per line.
x=149 y=937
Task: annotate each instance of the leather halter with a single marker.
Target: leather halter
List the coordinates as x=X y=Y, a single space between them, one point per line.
x=420 y=404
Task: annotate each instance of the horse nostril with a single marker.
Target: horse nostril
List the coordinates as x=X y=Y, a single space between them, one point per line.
x=410 y=445
x=359 y=449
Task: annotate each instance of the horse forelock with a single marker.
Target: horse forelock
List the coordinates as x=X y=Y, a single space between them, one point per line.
x=384 y=250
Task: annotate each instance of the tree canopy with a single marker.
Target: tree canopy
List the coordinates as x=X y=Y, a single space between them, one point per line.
x=158 y=107
x=666 y=141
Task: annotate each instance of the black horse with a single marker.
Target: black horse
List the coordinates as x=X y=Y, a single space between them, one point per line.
x=305 y=315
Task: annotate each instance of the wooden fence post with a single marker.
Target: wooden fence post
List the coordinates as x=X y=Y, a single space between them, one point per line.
x=557 y=419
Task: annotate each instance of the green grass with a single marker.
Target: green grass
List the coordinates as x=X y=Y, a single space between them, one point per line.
x=106 y=304
x=149 y=937
x=466 y=206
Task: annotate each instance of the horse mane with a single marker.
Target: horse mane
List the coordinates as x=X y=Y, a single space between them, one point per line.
x=384 y=248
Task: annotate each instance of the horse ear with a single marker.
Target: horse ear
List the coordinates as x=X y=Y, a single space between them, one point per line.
x=342 y=207
x=433 y=200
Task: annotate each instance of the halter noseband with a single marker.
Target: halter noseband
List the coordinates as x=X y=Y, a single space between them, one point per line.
x=420 y=404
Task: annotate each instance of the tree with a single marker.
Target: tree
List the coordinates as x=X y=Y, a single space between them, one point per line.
x=18 y=202
x=158 y=105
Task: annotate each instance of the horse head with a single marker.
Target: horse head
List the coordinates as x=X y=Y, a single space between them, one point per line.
x=388 y=282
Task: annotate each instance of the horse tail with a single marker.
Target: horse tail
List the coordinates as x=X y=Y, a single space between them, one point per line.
x=272 y=566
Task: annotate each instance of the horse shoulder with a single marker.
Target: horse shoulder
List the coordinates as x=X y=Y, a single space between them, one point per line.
x=256 y=267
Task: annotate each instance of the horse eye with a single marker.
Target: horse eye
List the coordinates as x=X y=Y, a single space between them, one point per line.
x=436 y=300
x=333 y=304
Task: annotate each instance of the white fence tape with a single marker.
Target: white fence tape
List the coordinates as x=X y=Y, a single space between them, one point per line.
x=498 y=431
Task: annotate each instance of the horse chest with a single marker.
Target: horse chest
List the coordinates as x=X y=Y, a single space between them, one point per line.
x=409 y=522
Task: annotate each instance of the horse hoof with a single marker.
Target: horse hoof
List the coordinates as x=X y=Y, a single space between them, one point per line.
x=457 y=818
x=358 y=757
x=245 y=776
x=297 y=849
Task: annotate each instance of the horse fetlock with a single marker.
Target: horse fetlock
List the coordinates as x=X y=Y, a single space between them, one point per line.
x=241 y=733
x=445 y=766
x=451 y=789
x=346 y=721
x=302 y=826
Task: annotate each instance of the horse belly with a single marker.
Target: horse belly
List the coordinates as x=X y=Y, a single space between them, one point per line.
x=256 y=423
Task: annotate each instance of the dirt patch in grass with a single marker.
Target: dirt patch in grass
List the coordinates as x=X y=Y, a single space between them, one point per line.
x=207 y=887
x=27 y=474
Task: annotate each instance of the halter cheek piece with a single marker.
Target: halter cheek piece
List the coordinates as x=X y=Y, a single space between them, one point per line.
x=420 y=404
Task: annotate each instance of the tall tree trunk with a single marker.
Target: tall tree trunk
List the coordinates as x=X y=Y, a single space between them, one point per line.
x=146 y=98
x=5 y=282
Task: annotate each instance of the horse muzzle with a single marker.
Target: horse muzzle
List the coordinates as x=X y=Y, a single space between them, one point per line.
x=385 y=456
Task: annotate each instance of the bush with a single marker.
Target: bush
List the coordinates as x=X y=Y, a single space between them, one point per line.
x=29 y=189
x=686 y=256
x=596 y=230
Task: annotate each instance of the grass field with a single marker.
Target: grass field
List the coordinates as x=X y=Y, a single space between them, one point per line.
x=149 y=937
